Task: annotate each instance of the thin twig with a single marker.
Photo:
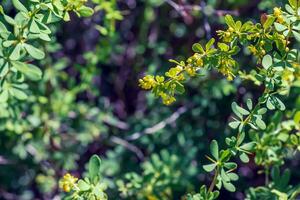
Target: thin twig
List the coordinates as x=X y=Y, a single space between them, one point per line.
x=7 y=195
x=115 y=123
x=214 y=181
x=181 y=9
x=207 y=27
x=128 y=146
x=148 y=131
x=3 y=161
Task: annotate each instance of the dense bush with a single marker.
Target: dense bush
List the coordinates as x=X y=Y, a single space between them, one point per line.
x=69 y=93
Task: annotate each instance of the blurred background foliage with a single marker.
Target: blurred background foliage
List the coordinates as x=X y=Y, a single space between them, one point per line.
x=89 y=103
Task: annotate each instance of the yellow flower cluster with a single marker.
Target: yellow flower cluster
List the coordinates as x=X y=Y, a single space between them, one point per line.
x=226 y=36
x=147 y=82
x=278 y=14
x=194 y=63
x=257 y=50
x=226 y=68
x=68 y=182
x=176 y=73
x=167 y=99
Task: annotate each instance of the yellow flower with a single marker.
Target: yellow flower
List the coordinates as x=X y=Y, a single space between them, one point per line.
x=226 y=68
x=147 y=82
x=175 y=73
x=277 y=12
x=191 y=71
x=68 y=182
x=167 y=99
x=280 y=19
x=200 y=62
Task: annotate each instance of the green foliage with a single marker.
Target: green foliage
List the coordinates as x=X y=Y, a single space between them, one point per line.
x=65 y=98
x=112 y=14
x=22 y=39
x=204 y=194
x=258 y=38
x=278 y=189
x=268 y=42
x=89 y=187
x=161 y=175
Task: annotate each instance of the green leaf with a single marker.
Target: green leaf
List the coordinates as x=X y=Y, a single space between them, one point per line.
x=233 y=176
x=229 y=21
x=240 y=109
x=279 y=104
x=267 y=61
x=198 y=48
x=241 y=138
x=234 y=109
x=9 y=20
x=234 y=124
x=4 y=33
x=274 y=102
x=32 y=72
x=248 y=146
x=15 y=54
x=4 y=69
x=270 y=104
x=214 y=149
x=44 y=37
x=280 y=195
x=179 y=88
x=230 y=165
x=225 y=155
x=85 y=11
x=229 y=186
x=296 y=35
x=43 y=27
x=9 y=43
x=94 y=168
x=244 y=158
x=66 y=17
x=223 y=46
x=293 y=3
x=275 y=173
x=18 y=5
x=297 y=118
x=269 y=22
x=285 y=178
x=34 y=28
x=280 y=27
x=249 y=104
x=215 y=195
x=34 y=52
x=262 y=111
x=209 y=167
x=224 y=176
x=210 y=43
x=18 y=93
x=260 y=123
x=102 y=30
x=3 y=96
x=98 y=191
x=83 y=186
